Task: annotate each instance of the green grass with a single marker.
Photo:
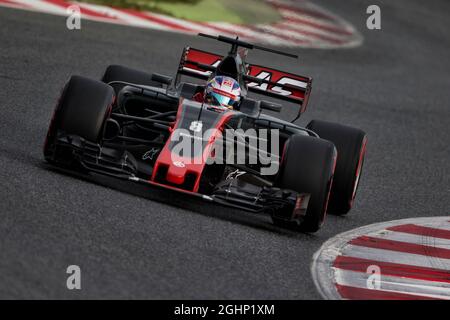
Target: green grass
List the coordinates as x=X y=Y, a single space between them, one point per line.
x=232 y=11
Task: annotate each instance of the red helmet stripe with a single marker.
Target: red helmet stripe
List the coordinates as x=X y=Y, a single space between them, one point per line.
x=224 y=93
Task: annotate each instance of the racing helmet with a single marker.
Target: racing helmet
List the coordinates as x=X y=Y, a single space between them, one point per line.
x=222 y=91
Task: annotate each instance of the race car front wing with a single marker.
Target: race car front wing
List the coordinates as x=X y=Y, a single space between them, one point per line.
x=72 y=153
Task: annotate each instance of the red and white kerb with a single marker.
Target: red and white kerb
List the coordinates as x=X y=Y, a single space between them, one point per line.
x=302 y=23
x=402 y=260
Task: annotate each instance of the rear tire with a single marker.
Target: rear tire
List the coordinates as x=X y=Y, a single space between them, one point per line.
x=307 y=166
x=125 y=74
x=351 y=147
x=82 y=110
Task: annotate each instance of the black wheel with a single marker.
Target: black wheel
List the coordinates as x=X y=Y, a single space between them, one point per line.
x=307 y=166
x=351 y=147
x=121 y=73
x=82 y=110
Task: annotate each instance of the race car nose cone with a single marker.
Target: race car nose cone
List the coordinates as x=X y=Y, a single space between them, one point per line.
x=176 y=172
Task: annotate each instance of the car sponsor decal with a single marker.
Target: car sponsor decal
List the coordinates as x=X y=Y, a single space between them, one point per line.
x=149 y=155
x=285 y=85
x=196 y=126
x=295 y=85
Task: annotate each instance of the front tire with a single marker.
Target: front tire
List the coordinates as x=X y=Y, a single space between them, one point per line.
x=82 y=110
x=307 y=166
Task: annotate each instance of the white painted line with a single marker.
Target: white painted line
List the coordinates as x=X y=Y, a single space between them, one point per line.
x=276 y=29
x=124 y=16
x=438 y=290
x=10 y=4
x=394 y=257
x=313 y=21
x=308 y=29
x=411 y=238
x=444 y=225
x=40 y=5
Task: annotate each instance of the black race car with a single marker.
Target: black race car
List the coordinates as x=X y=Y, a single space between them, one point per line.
x=128 y=124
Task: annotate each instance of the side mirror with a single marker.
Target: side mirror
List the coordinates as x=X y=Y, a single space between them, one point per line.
x=111 y=130
x=253 y=79
x=161 y=78
x=206 y=67
x=266 y=105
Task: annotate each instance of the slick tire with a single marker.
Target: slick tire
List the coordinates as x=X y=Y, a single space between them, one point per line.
x=125 y=74
x=82 y=110
x=351 y=148
x=307 y=166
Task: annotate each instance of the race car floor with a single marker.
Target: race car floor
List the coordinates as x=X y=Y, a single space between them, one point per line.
x=394 y=86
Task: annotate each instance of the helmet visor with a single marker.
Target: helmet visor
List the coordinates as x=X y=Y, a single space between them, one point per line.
x=219 y=99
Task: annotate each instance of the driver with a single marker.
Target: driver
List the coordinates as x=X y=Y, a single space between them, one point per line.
x=222 y=92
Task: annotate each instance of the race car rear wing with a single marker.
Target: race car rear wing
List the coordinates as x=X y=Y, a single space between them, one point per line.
x=263 y=80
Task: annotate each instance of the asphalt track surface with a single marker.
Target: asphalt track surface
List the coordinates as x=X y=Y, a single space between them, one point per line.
x=395 y=86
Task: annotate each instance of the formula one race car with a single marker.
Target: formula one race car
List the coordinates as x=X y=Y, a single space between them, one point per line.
x=209 y=139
